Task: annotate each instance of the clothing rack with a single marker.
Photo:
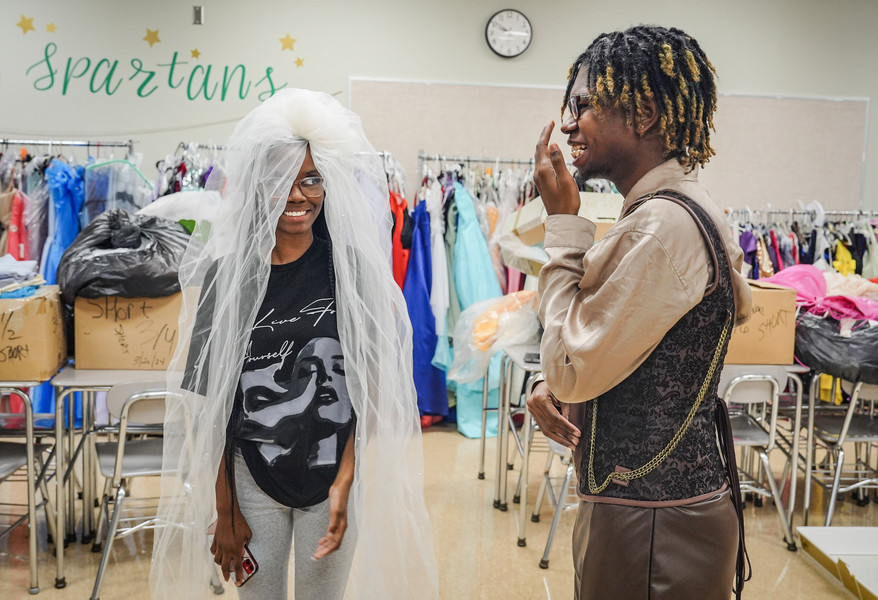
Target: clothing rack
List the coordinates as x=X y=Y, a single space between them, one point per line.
x=199 y=145
x=746 y=213
x=424 y=157
x=471 y=159
x=74 y=143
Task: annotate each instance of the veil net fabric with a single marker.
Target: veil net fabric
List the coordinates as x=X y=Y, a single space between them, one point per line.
x=229 y=260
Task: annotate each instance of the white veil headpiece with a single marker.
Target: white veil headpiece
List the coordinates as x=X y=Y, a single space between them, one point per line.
x=394 y=555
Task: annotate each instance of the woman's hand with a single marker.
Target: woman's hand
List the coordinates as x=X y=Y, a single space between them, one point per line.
x=338 y=501
x=556 y=185
x=228 y=543
x=338 y=521
x=544 y=409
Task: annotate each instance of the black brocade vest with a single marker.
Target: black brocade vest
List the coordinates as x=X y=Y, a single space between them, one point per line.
x=638 y=418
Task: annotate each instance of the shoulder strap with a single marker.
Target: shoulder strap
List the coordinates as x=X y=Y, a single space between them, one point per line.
x=743 y=570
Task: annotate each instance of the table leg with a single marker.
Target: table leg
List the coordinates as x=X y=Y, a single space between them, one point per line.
x=60 y=501
x=88 y=467
x=501 y=429
x=506 y=400
x=794 y=459
x=485 y=393
x=71 y=479
x=522 y=506
x=809 y=451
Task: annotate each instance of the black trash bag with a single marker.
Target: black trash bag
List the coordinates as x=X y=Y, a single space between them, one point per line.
x=820 y=345
x=121 y=254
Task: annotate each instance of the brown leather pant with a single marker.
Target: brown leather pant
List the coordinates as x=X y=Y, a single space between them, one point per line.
x=682 y=552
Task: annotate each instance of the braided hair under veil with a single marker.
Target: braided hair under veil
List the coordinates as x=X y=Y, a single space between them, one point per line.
x=394 y=555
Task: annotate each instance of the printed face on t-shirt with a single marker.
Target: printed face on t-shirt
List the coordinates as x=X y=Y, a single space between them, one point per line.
x=315 y=395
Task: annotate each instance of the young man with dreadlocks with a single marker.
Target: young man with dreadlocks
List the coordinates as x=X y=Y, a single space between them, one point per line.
x=637 y=325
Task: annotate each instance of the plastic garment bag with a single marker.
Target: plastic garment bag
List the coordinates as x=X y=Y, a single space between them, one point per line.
x=36 y=211
x=115 y=184
x=492 y=325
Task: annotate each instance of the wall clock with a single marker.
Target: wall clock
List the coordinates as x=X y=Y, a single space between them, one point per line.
x=508 y=33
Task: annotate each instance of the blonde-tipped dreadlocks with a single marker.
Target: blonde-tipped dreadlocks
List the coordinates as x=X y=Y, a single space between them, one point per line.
x=667 y=65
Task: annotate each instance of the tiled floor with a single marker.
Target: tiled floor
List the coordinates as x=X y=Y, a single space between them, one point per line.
x=476 y=545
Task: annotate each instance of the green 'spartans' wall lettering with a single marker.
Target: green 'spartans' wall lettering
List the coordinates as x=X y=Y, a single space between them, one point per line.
x=172 y=65
x=227 y=81
x=70 y=73
x=205 y=80
x=108 y=76
x=273 y=88
x=138 y=69
x=47 y=81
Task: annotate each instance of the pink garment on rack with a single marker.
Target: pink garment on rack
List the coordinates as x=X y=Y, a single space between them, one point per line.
x=776 y=247
x=514 y=280
x=810 y=286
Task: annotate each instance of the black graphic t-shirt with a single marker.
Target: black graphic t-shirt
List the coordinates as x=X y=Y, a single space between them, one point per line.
x=293 y=406
x=292 y=411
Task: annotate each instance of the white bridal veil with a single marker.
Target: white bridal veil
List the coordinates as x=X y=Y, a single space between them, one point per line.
x=394 y=547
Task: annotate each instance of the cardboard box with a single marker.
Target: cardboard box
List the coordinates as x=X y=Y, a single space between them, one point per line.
x=769 y=337
x=528 y=222
x=848 y=553
x=126 y=333
x=32 y=342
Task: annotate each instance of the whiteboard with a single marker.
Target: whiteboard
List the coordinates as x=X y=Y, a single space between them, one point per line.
x=777 y=151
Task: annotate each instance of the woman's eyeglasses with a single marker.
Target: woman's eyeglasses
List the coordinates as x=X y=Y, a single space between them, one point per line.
x=312 y=187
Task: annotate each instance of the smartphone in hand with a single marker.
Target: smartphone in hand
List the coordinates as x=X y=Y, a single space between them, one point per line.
x=248 y=563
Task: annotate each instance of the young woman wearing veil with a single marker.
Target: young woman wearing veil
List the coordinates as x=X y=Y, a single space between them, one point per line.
x=293 y=413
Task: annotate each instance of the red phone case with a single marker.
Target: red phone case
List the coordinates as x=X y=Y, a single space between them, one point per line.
x=248 y=563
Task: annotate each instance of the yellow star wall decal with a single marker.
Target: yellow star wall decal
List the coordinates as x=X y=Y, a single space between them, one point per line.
x=196 y=54
x=300 y=62
x=51 y=28
x=152 y=36
x=28 y=24
x=287 y=42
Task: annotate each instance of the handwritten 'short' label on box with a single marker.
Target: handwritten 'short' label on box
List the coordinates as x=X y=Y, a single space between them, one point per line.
x=126 y=333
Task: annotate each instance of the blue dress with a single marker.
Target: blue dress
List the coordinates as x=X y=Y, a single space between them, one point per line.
x=475 y=281
x=429 y=381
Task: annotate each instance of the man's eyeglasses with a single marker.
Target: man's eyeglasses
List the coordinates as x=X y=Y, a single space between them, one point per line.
x=578 y=103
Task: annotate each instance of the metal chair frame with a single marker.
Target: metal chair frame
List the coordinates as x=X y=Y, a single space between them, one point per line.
x=755 y=430
x=830 y=432
x=36 y=476
x=142 y=402
x=559 y=496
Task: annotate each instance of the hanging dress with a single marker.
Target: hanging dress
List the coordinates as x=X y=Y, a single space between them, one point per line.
x=398 y=209
x=475 y=281
x=429 y=381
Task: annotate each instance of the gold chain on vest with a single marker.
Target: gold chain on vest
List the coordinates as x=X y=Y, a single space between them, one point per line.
x=661 y=456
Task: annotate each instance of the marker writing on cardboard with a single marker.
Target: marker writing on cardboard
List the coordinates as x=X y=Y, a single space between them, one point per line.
x=156 y=336
x=6 y=330
x=119 y=330
x=10 y=353
x=768 y=324
x=143 y=360
x=111 y=309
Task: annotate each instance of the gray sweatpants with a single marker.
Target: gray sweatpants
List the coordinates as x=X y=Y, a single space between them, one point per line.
x=274 y=526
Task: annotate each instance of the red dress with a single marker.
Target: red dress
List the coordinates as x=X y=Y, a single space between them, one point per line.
x=398 y=207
